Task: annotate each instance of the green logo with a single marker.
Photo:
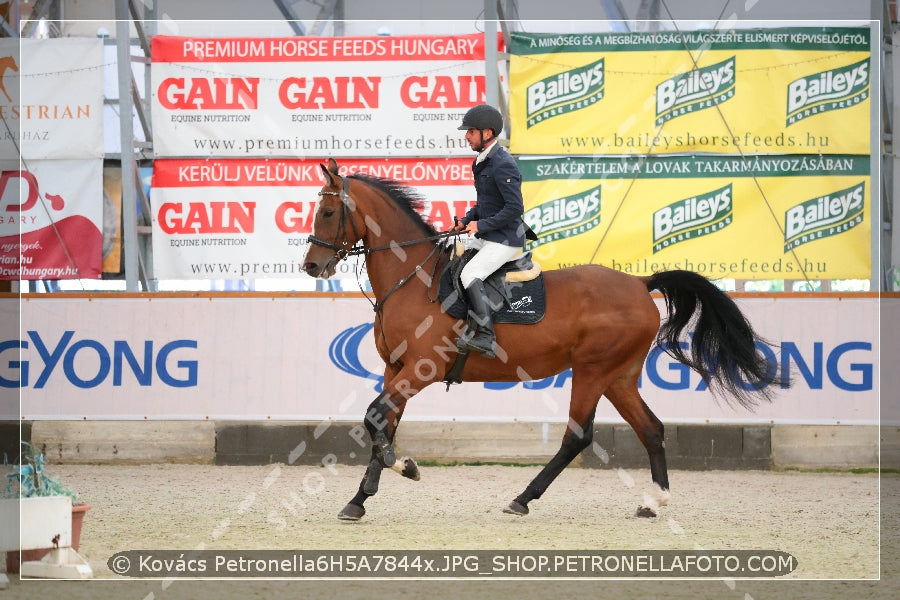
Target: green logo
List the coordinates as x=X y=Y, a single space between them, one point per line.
x=829 y=90
x=824 y=217
x=564 y=92
x=563 y=218
x=692 y=218
x=695 y=91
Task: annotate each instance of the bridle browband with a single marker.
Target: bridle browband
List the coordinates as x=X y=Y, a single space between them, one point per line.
x=344 y=250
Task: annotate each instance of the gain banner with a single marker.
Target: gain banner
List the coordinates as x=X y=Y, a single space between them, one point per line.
x=315 y=96
x=760 y=217
x=251 y=218
x=760 y=91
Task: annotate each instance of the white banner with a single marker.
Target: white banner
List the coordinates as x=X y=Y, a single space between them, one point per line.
x=251 y=218
x=314 y=96
x=51 y=101
x=313 y=358
x=61 y=105
x=10 y=109
x=51 y=217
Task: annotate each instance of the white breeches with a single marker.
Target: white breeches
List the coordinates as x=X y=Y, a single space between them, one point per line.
x=489 y=258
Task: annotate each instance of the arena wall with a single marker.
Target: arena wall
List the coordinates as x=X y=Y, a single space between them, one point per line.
x=852 y=419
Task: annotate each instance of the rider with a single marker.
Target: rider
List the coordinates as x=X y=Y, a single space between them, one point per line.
x=495 y=221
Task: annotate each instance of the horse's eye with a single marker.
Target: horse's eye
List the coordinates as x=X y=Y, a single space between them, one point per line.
x=327 y=212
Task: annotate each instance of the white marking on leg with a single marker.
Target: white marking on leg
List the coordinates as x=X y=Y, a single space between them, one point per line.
x=400 y=465
x=650 y=502
x=662 y=496
x=656 y=497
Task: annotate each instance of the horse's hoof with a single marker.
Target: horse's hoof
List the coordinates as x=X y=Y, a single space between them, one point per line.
x=352 y=512
x=408 y=468
x=515 y=508
x=645 y=512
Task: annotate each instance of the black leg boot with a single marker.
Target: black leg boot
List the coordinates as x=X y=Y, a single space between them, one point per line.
x=479 y=333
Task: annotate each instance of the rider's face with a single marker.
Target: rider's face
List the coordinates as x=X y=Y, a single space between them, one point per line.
x=474 y=137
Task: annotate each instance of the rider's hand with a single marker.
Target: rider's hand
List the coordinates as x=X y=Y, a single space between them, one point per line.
x=472 y=228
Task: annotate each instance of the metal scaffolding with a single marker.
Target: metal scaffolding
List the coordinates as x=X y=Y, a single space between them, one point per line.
x=135 y=23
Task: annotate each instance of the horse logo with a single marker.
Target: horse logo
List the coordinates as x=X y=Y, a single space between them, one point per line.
x=7 y=63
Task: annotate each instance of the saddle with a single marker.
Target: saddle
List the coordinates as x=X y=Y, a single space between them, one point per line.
x=516 y=294
x=515 y=291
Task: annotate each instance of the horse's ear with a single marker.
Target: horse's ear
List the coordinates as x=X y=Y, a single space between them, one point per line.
x=332 y=166
x=331 y=173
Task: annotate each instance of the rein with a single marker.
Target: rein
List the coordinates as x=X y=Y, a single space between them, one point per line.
x=344 y=250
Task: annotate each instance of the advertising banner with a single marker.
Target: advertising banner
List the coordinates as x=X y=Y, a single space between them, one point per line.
x=314 y=96
x=251 y=218
x=60 y=111
x=759 y=217
x=51 y=101
x=758 y=91
x=50 y=219
x=10 y=106
x=314 y=358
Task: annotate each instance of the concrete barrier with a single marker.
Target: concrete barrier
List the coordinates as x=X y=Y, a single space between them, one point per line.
x=890 y=447
x=688 y=446
x=825 y=446
x=125 y=441
x=522 y=443
x=301 y=443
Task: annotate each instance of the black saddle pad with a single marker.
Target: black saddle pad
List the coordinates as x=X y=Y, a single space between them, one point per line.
x=522 y=303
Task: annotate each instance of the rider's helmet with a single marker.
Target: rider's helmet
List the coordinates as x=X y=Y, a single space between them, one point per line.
x=483 y=116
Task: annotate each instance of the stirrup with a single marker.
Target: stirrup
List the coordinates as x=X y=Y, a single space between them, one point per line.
x=462 y=342
x=470 y=343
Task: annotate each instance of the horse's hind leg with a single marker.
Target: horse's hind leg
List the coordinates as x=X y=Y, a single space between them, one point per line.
x=579 y=433
x=624 y=396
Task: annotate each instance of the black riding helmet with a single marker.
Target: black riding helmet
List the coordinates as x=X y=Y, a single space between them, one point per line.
x=483 y=116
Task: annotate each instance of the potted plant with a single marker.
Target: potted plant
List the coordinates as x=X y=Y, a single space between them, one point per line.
x=26 y=479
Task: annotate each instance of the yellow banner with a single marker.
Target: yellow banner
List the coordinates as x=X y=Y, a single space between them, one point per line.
x=764 y=91
x=765 y=217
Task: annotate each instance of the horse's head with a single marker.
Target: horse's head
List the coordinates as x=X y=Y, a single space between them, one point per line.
x=335 y=230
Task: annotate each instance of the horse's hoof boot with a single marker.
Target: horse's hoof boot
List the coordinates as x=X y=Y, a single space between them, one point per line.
x=384 y=451
x=370 y=486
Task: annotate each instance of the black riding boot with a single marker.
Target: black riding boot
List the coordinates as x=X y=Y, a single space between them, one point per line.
x=479 y=334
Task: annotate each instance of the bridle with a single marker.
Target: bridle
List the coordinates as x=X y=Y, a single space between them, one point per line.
x=342 y=248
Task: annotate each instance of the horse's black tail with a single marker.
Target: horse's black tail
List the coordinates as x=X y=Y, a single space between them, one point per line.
x=723 y=348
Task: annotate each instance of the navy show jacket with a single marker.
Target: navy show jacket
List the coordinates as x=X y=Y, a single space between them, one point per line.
x=499 y=205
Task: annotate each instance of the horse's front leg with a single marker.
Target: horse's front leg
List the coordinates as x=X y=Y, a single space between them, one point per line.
x=381 y=421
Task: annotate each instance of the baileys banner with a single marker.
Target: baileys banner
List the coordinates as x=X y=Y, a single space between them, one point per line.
x=763 y=217
x=761 y=91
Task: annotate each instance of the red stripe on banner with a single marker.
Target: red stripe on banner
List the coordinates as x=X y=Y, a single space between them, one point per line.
x=295 y=49
x=39 y=255
x=186 y=173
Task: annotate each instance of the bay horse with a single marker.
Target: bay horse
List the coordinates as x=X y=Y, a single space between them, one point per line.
x=599 y=322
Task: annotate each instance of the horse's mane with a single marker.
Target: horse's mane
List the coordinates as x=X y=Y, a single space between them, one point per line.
x=404 y=196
